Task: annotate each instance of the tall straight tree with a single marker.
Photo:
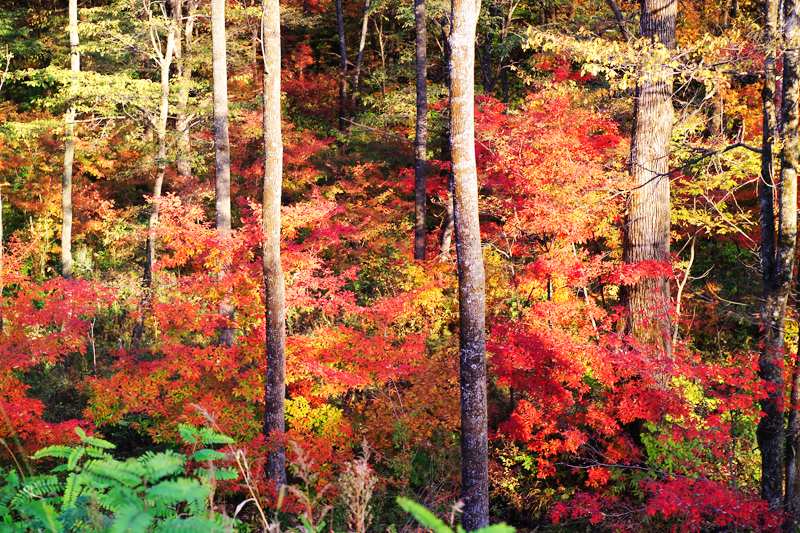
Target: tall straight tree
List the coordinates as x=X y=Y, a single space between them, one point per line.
x=646 y=235
x=69 y=146
x=222 y=148
x=790 y=161
x=770 y=427
x=777 y=253
x=421 y=139
x=274 y=290
x=471 y=275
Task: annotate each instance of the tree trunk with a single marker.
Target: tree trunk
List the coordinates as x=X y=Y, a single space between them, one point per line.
x=770 y=428
x=361 y=44
x=222 y=149
x=646 y=235
x=421 y=139
x=164 y=60
x=183 y=48
x=69 y=146
x=471 y=278
x=274 y=423
x=447 y=225
x=342 y=65
x=620 y=18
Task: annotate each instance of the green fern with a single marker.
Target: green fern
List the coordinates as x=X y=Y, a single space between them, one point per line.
x=430 y=521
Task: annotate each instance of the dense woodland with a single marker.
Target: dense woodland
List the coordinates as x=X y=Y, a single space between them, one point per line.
x=380 y=265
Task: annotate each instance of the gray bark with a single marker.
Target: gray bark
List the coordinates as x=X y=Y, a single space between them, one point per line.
x=69 y=145
x=647 y=228
x=471 y=276
x=222 y=149
x=275 y=299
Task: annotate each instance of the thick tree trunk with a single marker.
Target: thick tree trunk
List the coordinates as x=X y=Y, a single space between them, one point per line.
x=471 y=278
x=69 y=146
x=421 y=139
x=184 y=19
x=342 y=65
x=646 y=236
x=361 y=44
x=274 y=423
x=222 y=149
x=770 y=431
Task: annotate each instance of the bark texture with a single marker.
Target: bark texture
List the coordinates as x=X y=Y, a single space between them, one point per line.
x=69 y=145
x=471 y=277
x=222 y=149
x=421 y=139
x=770 y=433
x=790 y=160
x=275 y=299
x=646 y=236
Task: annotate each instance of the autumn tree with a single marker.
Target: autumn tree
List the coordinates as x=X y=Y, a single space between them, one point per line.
x=778 y=246
x=163 y=54
x=274 y=291
x=647 y=226
x=222 y=149
x=69 y=146
x=471 y=276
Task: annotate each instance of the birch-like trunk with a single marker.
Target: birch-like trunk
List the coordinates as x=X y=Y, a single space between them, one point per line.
x=69 y=145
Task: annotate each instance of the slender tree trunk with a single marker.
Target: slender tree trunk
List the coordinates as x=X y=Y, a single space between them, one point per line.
x=379 y=32
x=620 y=18
x=69 y=147
x=361 y=44
x=471 y=278
x=646 y=236
x=421 y=139
x=770 y=433
x=183 y=49
x=164 y=60
x=342 y=65
x=222 y=149
x=447 y=226
x=274 y=422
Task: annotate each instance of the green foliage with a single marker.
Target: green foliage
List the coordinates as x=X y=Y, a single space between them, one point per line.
x=88 y=489
x=429 y=520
